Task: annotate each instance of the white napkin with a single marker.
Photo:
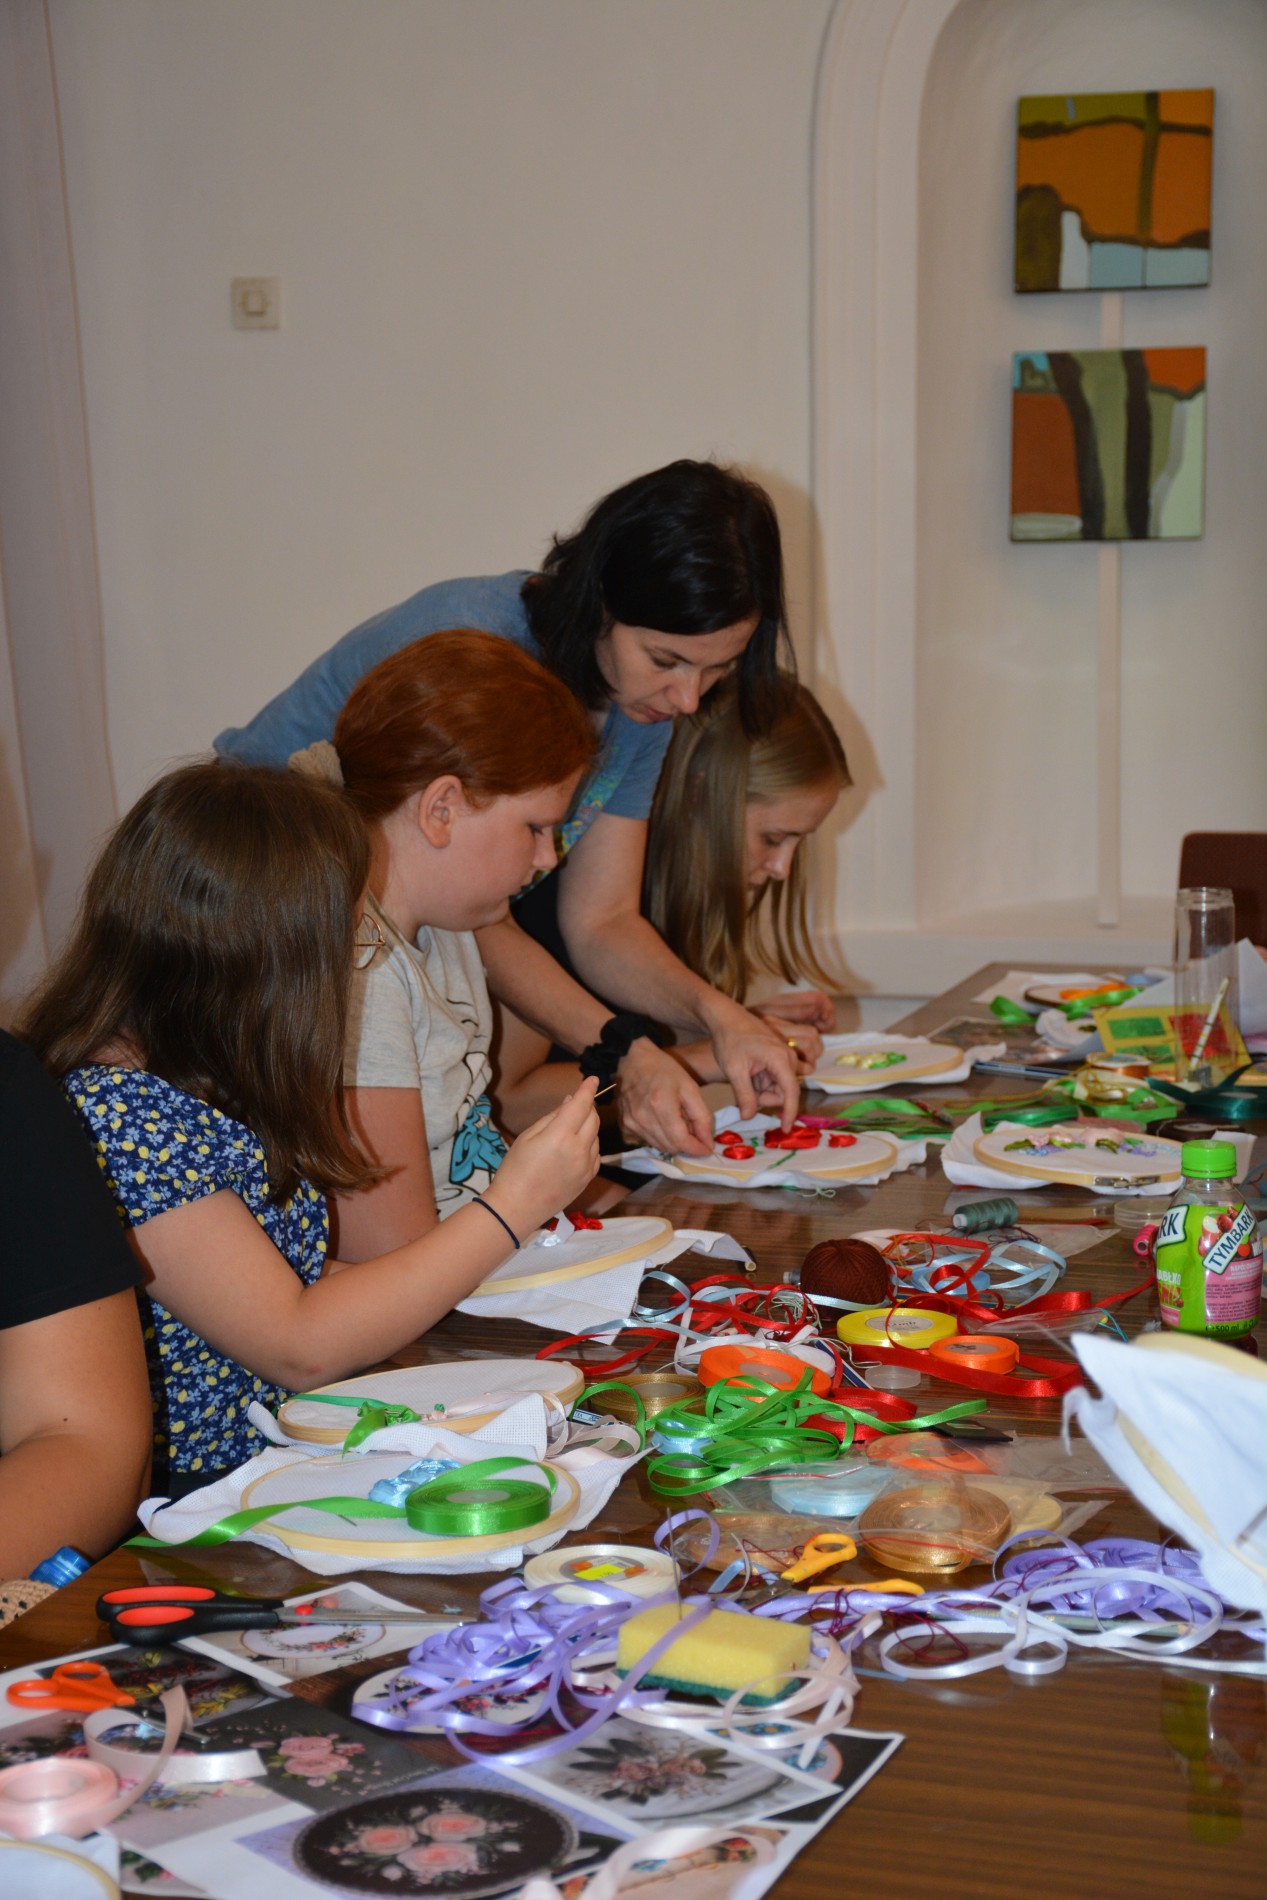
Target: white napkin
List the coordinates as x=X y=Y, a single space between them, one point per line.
x=962 y=1167
x=597 y=1478
x=892 y=1078
x=1055 y=1027
x=651 y=1161
x=571 y=1306
x=1204 y=1414
x=1251 y=989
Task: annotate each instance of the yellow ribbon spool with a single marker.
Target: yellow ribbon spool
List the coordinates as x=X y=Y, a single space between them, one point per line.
x=908 y=1326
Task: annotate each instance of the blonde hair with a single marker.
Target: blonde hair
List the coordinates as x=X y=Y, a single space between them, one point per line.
x=695 y=889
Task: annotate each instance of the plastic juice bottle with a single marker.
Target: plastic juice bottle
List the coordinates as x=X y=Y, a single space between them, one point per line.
x=1208 y=1253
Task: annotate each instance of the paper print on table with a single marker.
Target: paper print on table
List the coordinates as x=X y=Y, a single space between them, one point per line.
x=139 y=1874
x=859 y=1754
x=54 y=1733
x=315 y=1757
x=164 y=1815
x=466 y=1834
x=385 y=1690
x=710 y=1873
x=648 y=1778
x=210 y=1687
x=1113 y=190
x=1108 y=445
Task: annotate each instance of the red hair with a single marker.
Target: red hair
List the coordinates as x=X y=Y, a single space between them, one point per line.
x=471 y=704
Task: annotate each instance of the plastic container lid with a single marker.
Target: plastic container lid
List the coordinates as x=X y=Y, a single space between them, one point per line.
x=62 y=1567
x=1208 y=1160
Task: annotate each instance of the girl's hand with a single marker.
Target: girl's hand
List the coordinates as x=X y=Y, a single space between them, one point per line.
x=549 y=1164
x=801 y=1006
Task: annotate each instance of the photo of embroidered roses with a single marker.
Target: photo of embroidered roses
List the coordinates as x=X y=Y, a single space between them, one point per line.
x=646 y=1777
x=435 y=1840
x=315 y=1757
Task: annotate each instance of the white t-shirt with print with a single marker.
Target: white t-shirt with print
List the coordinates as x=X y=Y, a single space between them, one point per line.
x=420 y=1017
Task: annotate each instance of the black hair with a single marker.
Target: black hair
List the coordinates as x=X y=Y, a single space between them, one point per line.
x=687 y=549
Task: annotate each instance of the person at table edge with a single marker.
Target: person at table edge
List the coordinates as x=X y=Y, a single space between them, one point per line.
x=671 y=582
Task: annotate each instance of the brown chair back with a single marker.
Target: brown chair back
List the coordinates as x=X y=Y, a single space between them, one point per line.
x=1235 y=861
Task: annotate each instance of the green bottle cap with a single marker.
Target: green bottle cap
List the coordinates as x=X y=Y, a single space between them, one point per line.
x=1208 y=1160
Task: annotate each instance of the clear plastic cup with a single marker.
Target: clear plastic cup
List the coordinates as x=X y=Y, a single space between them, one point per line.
x=1205 y=960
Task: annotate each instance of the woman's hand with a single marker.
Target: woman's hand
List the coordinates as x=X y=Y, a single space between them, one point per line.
x=755 y=1060
x=804 y=1042
x=811 y=1007
x=660 y=1103
x=549 y=1164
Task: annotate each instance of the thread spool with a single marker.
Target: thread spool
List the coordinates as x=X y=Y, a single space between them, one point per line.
x=573 y=1573
x=978 y=1352
x=847 y=1269
x=1000 y=1212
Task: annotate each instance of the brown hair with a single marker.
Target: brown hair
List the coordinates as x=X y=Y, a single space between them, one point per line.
x=215 y=939
x=461 y=702
x=696 y=888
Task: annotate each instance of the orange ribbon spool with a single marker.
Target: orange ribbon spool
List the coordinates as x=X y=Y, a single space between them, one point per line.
x=781 y=1369
x=977 y=1352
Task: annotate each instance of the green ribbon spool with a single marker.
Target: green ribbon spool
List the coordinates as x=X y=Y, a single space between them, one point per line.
x=745 y=1426
x=432 y=1509
x=372 y=1414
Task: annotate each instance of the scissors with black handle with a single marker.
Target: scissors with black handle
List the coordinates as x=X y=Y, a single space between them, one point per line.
x=166 y=1612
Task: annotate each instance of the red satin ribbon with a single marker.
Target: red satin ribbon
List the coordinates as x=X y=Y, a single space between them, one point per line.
x=1034 y=1378
x=655 y=1338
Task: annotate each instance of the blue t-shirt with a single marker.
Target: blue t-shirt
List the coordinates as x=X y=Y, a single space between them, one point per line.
x=623 y=778
x=160 y=1148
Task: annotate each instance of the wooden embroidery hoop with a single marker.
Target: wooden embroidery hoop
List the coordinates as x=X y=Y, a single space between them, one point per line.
x=582 y=1269
x=844 y=1171
x=408 y=1385
x=1055 y=1170
x=829 y=1076
x=331 y=1479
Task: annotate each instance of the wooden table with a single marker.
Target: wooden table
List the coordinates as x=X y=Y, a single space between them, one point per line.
x=1112 y=1778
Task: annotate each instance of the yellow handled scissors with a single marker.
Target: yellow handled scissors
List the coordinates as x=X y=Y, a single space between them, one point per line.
x=834 y=1547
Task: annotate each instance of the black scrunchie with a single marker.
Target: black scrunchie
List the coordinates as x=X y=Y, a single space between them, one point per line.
x=619 y=1033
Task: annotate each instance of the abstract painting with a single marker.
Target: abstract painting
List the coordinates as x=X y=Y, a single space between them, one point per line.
x=1108 y=445
x=1113 y=190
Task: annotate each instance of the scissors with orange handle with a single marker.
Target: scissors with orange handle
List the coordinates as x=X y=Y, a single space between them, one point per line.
x=81 y=1687
x=834 y=1547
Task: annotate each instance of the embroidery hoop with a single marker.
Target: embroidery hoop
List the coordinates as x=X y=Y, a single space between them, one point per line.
x=1061 y=1170
x=320 y=1477
x=500 y=1282
x=503 y=1381
x=880 y=1151
x=832 y=1079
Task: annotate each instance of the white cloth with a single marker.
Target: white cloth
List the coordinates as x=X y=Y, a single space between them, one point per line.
x=833 y=1046
x=958 y=1159
x=419 y=1018
x=651 y=1161
x=597 y=1477
x=1202 y=1417
x=572 y=1306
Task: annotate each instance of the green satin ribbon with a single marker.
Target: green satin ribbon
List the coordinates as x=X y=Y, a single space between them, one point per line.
x=372 y=1415
x=745 y=1426
x=1009 y=1012
x=639 y=1422
x=472 y=1501
x=1084 y=1005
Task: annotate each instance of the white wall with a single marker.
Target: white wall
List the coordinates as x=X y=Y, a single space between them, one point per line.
x=528 y=248
x=1006 y=677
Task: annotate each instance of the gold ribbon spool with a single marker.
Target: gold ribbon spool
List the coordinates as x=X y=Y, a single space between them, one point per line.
x=934 y=1527
x=657 y=1390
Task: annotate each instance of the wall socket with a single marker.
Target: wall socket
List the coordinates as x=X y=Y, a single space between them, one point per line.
x=257 y=303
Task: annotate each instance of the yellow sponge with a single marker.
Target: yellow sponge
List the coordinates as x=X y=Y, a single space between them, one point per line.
x=722 y=1652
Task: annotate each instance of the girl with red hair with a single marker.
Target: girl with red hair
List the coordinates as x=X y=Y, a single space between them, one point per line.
x=462 y=754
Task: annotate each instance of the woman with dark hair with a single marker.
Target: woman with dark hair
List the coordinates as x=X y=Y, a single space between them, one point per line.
x=197 y=1021
x=672 y=582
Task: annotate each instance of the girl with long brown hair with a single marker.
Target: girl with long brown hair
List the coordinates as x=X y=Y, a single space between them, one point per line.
x=197 y=1020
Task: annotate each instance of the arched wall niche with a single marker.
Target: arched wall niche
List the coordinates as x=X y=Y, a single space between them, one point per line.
x=962 y=669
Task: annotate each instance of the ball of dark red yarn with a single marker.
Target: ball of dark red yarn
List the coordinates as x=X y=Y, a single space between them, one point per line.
x=846 y=1270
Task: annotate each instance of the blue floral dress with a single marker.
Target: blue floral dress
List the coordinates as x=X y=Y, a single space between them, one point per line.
x=158 y=1149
